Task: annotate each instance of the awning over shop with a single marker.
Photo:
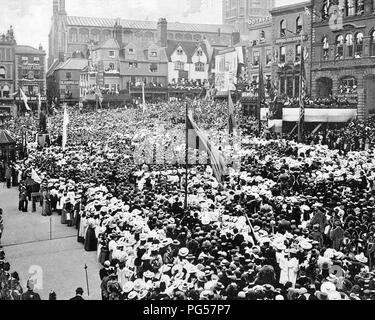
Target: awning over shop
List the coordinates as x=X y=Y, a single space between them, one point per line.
x=320 y=115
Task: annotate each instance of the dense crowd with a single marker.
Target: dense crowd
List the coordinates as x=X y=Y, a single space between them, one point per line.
x=294 y=222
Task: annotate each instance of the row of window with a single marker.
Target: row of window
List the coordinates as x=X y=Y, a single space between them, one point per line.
x=95 y=35
x=26 y=60
x=347 y=8
x=298 y=27
x=256 y=57
x=353 y=43
x=180 y=65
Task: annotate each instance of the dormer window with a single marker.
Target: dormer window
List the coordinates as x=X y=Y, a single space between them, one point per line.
x=199 y=53
x=180 y=52
x=111 y=54
x=131 y=51
x=36 y=60
x=25 y=60
x=154 y=54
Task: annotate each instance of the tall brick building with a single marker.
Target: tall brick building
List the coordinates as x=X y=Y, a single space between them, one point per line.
x=238 y=12
x=344 y=52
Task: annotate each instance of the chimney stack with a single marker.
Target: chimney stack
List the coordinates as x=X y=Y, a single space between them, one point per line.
x=118 y=32
x=162 y=34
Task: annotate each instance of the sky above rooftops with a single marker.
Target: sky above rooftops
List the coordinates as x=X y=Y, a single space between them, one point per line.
x=31 y=19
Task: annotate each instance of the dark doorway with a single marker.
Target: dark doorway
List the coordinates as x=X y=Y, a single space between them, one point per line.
x=324 y=87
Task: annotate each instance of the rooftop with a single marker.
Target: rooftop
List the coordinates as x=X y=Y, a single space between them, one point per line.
x=72 y=64
x=148 y=25
x=29 y=50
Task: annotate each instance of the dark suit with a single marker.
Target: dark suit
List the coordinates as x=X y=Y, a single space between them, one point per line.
x=77 y=298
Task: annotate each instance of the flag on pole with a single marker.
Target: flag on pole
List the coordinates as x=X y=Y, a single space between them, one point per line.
x=65 y=128
x=39 y=105
x=216 y=158
x=302 y=93
x=143 y=98
x=24 y=98
x=35 y=176
x=261 y=96
x=232 y=117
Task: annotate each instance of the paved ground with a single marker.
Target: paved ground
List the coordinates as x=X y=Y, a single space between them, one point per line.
x=29 y=250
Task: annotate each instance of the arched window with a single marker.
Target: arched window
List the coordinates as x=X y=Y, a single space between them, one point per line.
x=83 y=35
x=325 y=9
x=360 y=7
x=299 y=25
x=339 y=47
x=349 y=44
x=325 y=48
x=73 y=35
x=351 y=7
x=358 y=45
x=107 y=34
x=95 y=35
x=188 y=37
x=197 y=37
x=179 y=36
x=372 y=43
x=282 y=28
x=2 y=72
x=6 y=91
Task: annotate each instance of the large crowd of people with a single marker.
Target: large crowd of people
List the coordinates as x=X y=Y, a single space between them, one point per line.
x=293 y=222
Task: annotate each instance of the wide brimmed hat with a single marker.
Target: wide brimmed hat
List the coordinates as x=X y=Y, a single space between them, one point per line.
x=183 y=252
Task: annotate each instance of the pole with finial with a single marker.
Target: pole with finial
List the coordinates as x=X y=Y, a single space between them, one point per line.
x=87 y=281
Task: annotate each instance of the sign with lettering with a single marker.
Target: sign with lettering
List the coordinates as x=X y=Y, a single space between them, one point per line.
x=32 y=98
x=30 y=67
x=291 y=39
x=69 y=82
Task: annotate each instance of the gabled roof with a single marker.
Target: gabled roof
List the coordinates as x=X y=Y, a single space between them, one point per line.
x=72 y=64
x=141 y=52
x=189 y=48
x=108 y=44
x=147 y=25
x=28 y=50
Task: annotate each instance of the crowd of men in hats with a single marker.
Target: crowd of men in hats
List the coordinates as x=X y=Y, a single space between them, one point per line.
x=295 y=222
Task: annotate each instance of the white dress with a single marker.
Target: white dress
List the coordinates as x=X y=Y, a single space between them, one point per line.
x=289 y=270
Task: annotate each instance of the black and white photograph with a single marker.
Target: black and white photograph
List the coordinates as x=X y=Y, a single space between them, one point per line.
x=203 y=151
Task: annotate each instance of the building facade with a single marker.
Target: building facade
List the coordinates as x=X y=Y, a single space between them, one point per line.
x=7 y=53
x=70 y=34
x=260 y=50
x=291 y=32
x=238 y=12
x=63 y=81
x=344 y=52
x=30 y=74
x=188 y=61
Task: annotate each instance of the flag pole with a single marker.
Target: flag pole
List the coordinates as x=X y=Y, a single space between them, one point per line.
x=186 y=155
x=302 y=61
x=87 y=281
